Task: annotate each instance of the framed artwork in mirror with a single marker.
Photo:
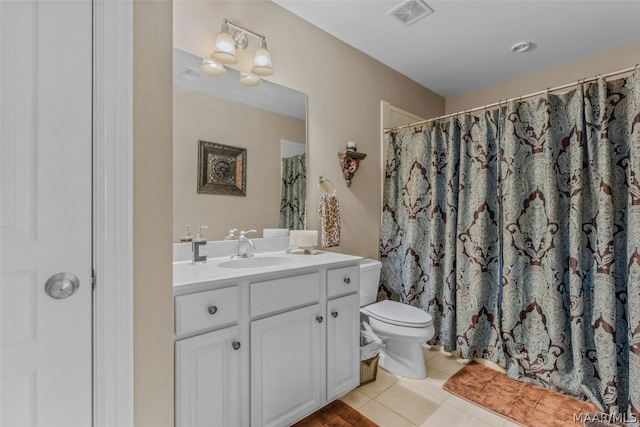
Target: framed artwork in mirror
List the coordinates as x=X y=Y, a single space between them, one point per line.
x=222 y=169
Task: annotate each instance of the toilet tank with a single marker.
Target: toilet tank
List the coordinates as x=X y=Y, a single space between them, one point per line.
x=369 y=280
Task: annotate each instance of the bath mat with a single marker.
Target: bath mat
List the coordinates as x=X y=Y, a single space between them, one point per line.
x=523 y=403
x=336 y=414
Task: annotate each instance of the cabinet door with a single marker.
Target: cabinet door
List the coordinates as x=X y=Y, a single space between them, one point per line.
x=208 y=379
x=343 y=345
x=285 y=366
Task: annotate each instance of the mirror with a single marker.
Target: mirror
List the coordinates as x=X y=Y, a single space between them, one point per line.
x=267 y=120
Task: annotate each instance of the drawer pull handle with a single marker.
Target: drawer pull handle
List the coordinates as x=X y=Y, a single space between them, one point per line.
x=347 y=280
x=212 y=309
x=334 y=314
x=319 y=319
x=236 y=345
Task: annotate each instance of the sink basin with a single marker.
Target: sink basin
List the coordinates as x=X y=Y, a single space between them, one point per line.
x=255 y=262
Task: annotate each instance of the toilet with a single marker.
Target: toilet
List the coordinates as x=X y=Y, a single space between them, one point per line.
x=402 y=327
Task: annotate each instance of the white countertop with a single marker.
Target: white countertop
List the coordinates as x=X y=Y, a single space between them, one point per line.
x=189 y=273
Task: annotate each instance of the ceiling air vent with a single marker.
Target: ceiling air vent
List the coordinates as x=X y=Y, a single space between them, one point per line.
x=409 y=12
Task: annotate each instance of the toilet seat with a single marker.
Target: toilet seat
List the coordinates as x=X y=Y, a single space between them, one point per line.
x=396 y=313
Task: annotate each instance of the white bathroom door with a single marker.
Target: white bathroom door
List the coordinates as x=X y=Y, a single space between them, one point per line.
x=45 y=165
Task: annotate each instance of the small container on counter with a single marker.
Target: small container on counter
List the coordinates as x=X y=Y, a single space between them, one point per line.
x=199 y=248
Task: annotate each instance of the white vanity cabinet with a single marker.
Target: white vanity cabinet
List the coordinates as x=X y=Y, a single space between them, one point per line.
x=268 y=348
x=208 y=384
x=286 y=370
x=343 y=330
x=305 y=357
x=343 y=345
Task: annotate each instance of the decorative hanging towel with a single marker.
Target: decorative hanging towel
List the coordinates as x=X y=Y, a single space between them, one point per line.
x=329 y=213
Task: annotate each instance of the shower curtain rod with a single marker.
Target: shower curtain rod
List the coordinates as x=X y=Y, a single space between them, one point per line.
x=496 y=104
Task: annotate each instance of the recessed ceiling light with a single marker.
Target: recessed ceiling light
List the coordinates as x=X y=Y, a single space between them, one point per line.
x=521 y=47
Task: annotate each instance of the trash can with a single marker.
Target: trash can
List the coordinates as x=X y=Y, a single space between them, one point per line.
x=370 y=346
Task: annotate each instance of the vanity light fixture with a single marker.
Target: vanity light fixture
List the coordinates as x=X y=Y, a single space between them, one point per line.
x=225 y=48
x=248 y=79
x=262 y=60
x=212 y=69
x=232 y=38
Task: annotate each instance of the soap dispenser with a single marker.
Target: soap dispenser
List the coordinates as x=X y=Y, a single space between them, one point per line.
x=188 y=237
x=199 y=246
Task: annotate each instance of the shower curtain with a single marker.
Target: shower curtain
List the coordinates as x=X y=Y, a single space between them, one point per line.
x=439 y=244
x=294 y=192
x=540 y=203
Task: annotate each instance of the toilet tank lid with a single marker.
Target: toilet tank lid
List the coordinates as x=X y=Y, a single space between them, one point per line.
x=398 y=312
x=369 y=264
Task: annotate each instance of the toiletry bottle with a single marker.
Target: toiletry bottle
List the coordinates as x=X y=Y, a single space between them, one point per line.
x=188 y=237
x=199 y=246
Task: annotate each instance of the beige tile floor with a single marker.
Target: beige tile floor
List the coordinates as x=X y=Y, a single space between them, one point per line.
x=395 y=401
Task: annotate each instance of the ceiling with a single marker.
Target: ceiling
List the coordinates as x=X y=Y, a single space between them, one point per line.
x=466 y=45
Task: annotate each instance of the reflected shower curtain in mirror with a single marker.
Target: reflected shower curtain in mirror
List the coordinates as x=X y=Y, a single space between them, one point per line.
x=547 y=254
x=294 y=192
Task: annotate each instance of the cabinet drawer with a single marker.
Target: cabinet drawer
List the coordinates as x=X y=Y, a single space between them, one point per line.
x=207 y=309
x=279 y=294
x=342 y=281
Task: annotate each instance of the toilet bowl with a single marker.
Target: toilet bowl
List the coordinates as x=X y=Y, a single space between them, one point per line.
x=402 y=327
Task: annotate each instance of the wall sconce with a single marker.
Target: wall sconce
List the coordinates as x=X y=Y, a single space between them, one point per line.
x=233 y=37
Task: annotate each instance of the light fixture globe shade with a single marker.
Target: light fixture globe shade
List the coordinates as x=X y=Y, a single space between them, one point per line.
x=212 y=69
x=225 y=49
x=247 y=79
x=262 y=62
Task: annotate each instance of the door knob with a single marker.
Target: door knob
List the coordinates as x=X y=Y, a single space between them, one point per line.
x=62 y=285
x=334 y=314
x=319 y=319
x=236 y=345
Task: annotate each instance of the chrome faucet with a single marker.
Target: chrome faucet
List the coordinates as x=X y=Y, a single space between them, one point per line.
x=244 y=244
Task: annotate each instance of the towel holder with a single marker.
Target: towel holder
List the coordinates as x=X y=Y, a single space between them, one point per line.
x=326 y=186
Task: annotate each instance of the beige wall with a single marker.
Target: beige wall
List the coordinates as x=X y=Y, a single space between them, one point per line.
x=152 y=211
x=198 y=116
x=344 y=88
x=605 y=62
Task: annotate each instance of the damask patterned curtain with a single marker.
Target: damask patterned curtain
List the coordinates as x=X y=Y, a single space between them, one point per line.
x=439 y=246
x=571 y=235
x=294 y=192
x=519 y=232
